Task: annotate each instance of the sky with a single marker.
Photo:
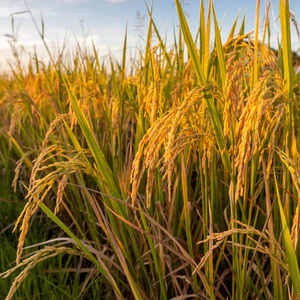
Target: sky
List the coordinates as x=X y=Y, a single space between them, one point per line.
x=104 y=22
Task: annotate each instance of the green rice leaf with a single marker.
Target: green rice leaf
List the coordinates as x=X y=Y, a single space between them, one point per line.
x=100 y=265
x=291 y=255
x=190 y=45
x=220 y=52
x=99 y=157
x=284 y=13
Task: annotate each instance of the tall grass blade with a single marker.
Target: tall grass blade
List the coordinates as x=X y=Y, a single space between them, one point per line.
x=202 y=80
x=290 y=251
x=190 y=45
x=232 y=30
x=284 y=13
x=220 y=52
x=101 y=266
x=162 y=45
x=101 y=162
x=256 y=43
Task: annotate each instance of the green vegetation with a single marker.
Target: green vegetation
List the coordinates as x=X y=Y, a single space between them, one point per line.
x=166 y=179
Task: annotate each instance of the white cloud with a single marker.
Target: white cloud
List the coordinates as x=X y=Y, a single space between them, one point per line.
x=6 y=11
x=116 y=1
x=72 y=1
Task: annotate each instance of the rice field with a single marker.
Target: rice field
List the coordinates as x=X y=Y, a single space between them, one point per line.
x=154 y=178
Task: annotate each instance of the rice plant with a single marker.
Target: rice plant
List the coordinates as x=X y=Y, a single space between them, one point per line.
x=167 y=178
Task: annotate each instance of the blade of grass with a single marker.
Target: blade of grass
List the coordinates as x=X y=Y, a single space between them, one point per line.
x=232 y=30
x=190 y=44
x=220 y=51
x=207 y=40
x=100 y=265
x=202 y=80
x=162 y=45
x=290 y=251
x=256 y=43
x=101 y=162
x=284 y=13
x=202 y=34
